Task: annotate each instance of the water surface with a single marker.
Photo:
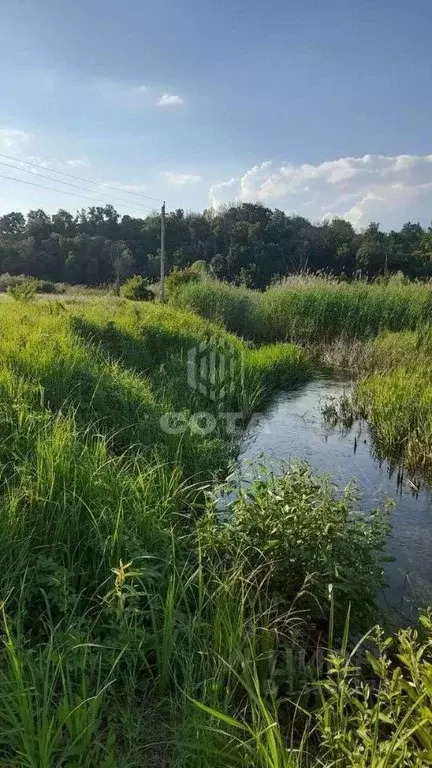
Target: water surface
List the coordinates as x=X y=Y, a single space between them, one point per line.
x=293 y=427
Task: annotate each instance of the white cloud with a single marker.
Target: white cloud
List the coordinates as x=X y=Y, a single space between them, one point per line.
x=381 y=187
x=10 y=138
x=130 y=96
x=79 y=163
x=180 y=179
x=132 y=187
x=40 y=161
x=170 y=100
x=125 y=187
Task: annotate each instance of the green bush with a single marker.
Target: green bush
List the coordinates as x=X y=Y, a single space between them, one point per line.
x=373 y=706
x=23 y=291
x=296 y=531
x=180 y=277
x=137 y=289
x=8 y=281
x=46 y=286
x=380 y=715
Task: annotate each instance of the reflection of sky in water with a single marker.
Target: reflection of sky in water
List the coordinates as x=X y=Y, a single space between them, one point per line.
x=293 y=427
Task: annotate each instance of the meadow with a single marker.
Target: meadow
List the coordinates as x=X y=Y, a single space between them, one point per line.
x=138 y=627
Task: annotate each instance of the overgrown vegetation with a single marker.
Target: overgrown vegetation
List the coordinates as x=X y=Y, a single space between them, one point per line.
x=381 y=332
x=296 y=531
x=138 y=628
x=180 y=277
x=394 y=393
x=136 y=288
x=310 y=309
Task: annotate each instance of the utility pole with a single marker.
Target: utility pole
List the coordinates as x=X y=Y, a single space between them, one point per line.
x=162 y=255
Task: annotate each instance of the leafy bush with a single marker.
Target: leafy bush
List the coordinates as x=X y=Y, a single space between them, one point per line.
x=295 y=529
x=41 y=286
x=136 y=289
x=46 y=286
x=180 y=277
x=5 y=281
x=385 y=720
x=23 y=291
x=374 y=707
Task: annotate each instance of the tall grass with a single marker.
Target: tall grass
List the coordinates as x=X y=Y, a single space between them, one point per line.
x=394 y=393
x=311 y=310
x=131 y=634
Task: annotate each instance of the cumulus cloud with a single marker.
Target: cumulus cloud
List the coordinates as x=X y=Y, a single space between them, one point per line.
x=380 y=187
x=10 y=138
x=179 y=179
x=170 y=100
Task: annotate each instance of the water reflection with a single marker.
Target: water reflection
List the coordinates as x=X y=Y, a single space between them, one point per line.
x=293 y=427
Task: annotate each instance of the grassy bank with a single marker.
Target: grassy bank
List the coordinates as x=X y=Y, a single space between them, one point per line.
x=137 y=628
x=394 y=393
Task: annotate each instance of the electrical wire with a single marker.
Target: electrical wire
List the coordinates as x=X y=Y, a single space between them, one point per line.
x=69 y=184
x=81 y=178
x=61 y=191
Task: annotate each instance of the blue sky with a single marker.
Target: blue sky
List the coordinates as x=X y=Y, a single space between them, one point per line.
x=319 y=108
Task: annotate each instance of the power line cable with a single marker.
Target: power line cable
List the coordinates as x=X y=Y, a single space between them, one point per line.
x=53 y=189
x=81 y=178
x=69 y=184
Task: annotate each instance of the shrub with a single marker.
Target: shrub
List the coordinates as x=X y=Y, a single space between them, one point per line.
x=46 y=286
x=388 y=722
x=41 y=286
x=5 y=281
x=136 y=289
x=294 y=529
x=180 y=277
x=23 y=291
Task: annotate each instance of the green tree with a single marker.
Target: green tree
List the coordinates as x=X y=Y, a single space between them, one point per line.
x=372 y=254
x=12 y=224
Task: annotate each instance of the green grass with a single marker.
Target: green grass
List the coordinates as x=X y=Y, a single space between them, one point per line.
x=380 y=332
x=394 y=393
x=311 y=310
x=136 y=628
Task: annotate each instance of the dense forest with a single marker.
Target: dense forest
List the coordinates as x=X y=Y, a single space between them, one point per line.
x=248 y=244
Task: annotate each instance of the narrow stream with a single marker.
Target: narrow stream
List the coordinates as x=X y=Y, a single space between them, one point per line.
x=293 y=427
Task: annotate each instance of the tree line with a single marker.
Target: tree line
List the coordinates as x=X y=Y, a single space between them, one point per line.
x=246 y=244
